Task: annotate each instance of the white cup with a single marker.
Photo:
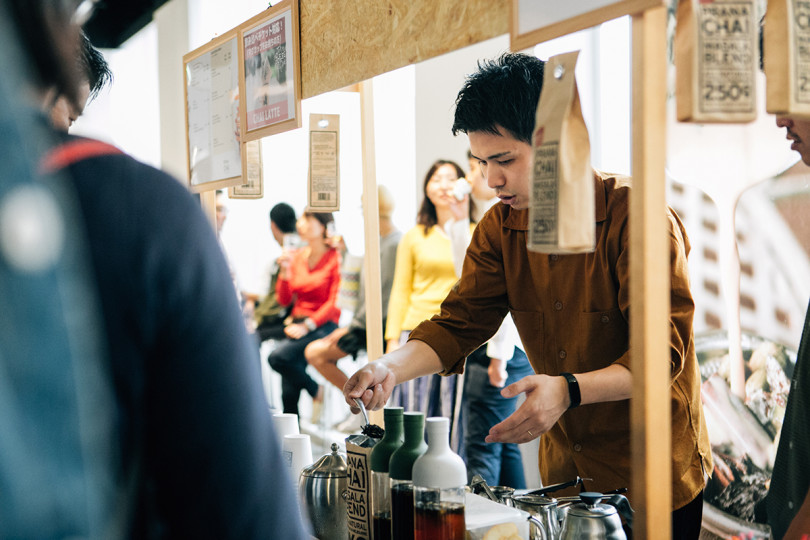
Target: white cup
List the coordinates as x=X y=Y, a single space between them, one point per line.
x=285 y=424
x=297 y=454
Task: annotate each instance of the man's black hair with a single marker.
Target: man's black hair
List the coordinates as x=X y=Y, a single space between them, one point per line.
x=283 y=216
x=503 y=92
x=94 y=67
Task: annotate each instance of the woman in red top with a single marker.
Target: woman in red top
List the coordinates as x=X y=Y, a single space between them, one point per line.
x=309 y=278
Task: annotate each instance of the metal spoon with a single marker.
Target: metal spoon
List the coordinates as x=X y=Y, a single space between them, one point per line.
x=359 y=403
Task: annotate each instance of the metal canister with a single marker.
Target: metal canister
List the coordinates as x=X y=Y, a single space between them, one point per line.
x=323 y=495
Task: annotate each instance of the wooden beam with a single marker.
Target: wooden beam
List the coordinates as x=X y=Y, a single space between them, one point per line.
x=371 y=218
x=649 y=282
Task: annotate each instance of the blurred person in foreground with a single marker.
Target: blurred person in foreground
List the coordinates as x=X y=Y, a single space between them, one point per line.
x=197 y=454
x=94 y=73
x=571 y=311
x=788 y=499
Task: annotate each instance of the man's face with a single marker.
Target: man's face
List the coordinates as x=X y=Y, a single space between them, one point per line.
x=63 y=113
x=798 y=131
x=506 y=163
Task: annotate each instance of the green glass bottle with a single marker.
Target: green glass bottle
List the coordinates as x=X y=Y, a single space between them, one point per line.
x=400 y=472
x=380 y=457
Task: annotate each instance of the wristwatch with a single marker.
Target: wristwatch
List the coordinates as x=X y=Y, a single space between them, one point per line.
x=310 y=324
x=573 y=390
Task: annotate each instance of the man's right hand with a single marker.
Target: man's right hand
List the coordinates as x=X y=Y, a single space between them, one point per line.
x=373 y=384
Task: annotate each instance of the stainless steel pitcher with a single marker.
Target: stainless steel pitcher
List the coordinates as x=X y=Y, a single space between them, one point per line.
x=323 y=488
x=544 y=512
x=591 y=519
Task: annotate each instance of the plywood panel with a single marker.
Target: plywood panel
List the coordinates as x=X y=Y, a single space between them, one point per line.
x=347 y=41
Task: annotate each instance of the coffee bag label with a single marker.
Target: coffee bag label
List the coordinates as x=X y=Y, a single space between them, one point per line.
x=358 y=505
x=727 y=37
x=801 y=50
x=543 y=228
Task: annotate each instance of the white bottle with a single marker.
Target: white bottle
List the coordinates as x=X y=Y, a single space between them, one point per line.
x=439 y=478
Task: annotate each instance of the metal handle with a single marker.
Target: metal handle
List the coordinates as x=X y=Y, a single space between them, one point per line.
x=538 y=526
x=359 y=403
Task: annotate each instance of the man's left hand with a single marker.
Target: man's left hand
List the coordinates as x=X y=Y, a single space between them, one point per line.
x=546 y=400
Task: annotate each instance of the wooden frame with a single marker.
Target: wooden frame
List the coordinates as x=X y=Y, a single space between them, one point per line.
x=270 y=72
x=213 y=150
x=535 y=21
x=253 y=187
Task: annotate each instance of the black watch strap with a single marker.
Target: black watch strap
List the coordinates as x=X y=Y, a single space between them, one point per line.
x=573 y=390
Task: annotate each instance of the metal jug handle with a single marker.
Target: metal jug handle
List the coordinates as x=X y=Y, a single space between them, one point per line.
x=539 y=526
x=621 y=504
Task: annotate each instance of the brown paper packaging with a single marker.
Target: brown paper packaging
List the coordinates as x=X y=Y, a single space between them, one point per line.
x=716 y=44
x=358 y=501
x=786 y=57
x=561 y=198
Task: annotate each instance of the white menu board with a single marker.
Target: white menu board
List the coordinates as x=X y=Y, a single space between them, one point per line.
x=212 y=101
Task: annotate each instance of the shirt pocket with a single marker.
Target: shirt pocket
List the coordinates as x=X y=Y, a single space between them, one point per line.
x=530 y=328
x=602 y=337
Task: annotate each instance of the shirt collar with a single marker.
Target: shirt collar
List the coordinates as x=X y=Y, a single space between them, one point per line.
x=519 y=219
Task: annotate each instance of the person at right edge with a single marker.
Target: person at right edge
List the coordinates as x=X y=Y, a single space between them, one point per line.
x=788 y=500
x=571 y=311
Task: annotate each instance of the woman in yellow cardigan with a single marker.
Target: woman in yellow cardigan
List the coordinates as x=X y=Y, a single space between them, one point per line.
x=423 y=276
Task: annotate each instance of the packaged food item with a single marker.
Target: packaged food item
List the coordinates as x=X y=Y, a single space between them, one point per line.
x=400 y=472
x=561 y=198
x=716 y=44
x=488 y=520
x=358 y=491
x=786 y=57
x=439 y=481
x=380 y=484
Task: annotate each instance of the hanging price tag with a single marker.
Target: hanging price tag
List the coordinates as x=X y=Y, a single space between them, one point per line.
x=716 y=43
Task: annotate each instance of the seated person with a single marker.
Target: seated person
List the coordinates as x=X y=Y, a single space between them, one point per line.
x=311 y=276
x=269 y=314
x=324 y=353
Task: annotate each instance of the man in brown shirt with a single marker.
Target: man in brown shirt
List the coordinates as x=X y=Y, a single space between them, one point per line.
x=572 y=313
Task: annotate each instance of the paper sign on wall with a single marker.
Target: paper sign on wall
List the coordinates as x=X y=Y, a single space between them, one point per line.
x=324 y=163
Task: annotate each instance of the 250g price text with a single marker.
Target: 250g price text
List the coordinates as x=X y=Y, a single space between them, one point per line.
x=725 y=92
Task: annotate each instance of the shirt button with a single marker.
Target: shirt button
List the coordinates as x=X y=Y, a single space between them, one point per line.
x=790 y=445
x=577 y=447
x=605 y=319
x=563 y=354
x=558 y=305
x=790 y=505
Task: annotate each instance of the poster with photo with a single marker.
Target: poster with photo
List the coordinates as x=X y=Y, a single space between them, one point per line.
x=271 y=82
x=212 y=110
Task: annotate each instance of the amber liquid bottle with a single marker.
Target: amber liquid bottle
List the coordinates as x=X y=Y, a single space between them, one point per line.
x=439 y=478
x=380 y=489
x=400 y=472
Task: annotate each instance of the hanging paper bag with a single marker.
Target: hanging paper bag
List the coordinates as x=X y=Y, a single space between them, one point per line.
x=561 y=199
x=786 y=57
x=716 y=43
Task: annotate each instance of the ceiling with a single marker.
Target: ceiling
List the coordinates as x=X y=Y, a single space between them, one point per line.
x=115 y=21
